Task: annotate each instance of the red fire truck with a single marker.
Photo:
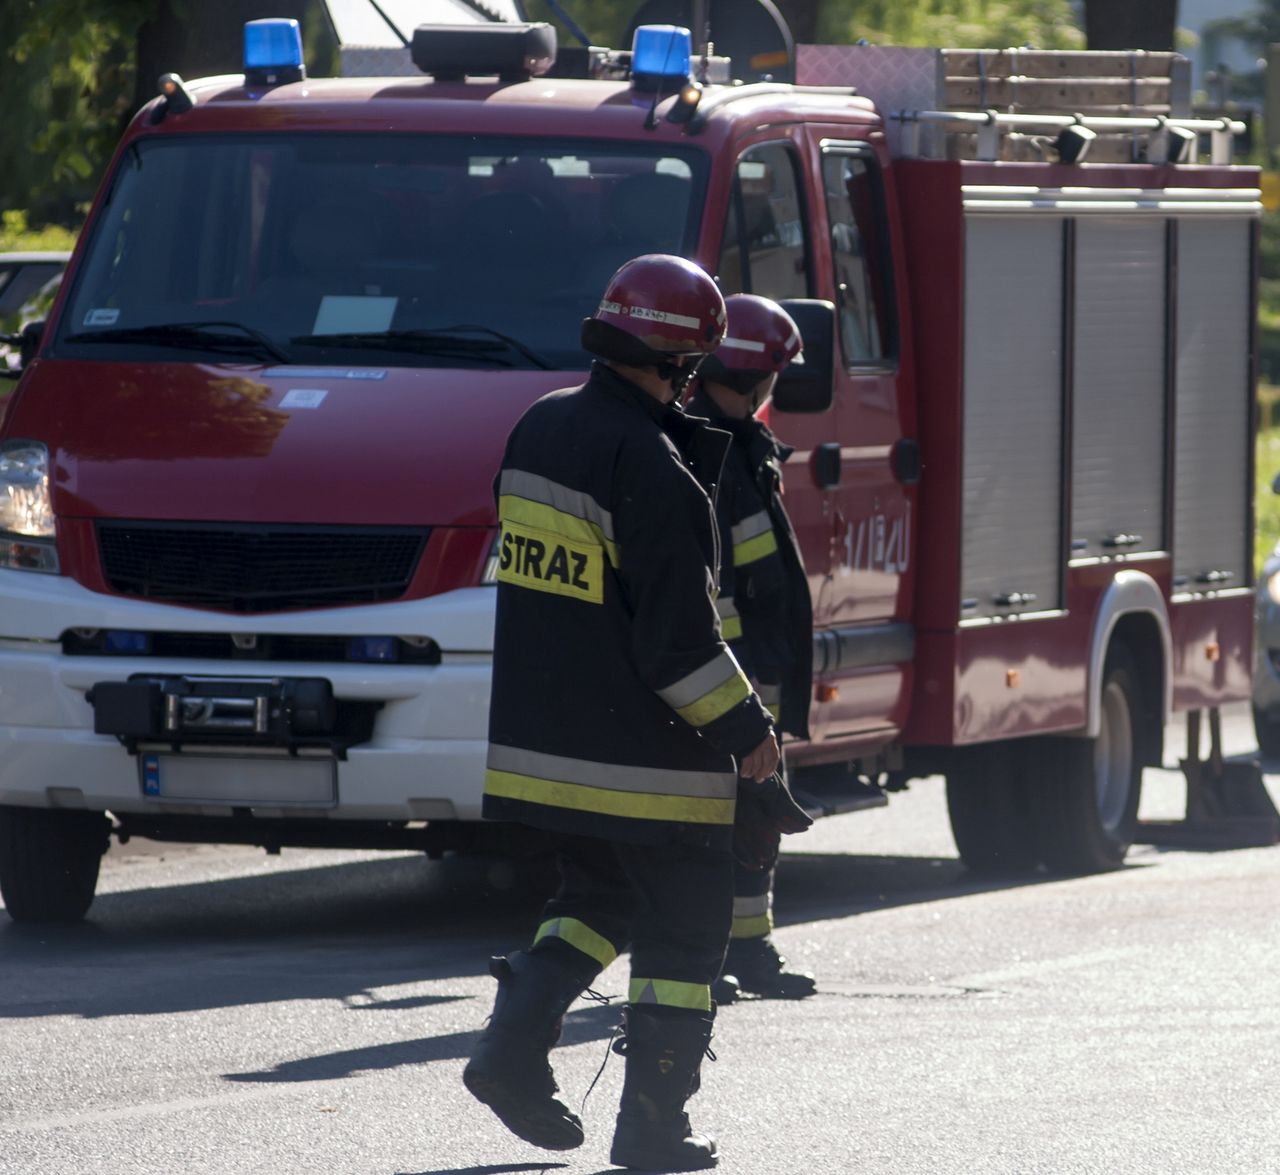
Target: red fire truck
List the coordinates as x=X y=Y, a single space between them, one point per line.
x=246 y=562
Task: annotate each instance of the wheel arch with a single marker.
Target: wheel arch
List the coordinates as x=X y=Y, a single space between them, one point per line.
x=1133 y=611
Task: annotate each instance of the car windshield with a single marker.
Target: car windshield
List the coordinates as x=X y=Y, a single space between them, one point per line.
x=387 y=250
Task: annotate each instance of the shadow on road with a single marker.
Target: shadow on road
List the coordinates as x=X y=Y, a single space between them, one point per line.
x=581 y=1026
x=342 y=932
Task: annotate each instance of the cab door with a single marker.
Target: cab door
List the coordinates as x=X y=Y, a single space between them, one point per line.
x=766 y=249
x=877 y=464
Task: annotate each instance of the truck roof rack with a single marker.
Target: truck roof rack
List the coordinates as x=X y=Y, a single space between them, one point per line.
x=1018 y=104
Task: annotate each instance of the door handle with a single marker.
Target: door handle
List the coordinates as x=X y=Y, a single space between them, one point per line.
x=826 y=465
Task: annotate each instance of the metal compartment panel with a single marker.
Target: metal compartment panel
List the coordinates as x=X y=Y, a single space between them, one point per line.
x=1012 y=480
x=1213 y=399
x=1118 y=388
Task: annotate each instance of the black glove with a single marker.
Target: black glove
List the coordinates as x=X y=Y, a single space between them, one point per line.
x=765 y=811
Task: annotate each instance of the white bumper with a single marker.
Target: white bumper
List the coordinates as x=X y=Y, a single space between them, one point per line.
x=424 y=762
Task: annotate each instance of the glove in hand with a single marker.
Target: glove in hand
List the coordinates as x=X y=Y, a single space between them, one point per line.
x=765 y=811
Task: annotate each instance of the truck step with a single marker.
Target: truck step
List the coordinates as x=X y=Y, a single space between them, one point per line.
x=832 y=789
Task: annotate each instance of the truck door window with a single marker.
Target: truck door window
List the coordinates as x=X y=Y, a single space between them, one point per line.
x=765 y=249
x=855 y=213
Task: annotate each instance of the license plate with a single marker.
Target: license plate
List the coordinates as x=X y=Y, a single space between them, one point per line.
x=240 y=781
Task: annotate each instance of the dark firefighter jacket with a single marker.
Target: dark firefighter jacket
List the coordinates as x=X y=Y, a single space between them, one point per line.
x=764 y=604
x=617 y=708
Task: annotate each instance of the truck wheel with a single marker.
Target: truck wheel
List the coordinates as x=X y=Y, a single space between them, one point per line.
x=1267 y=729
x=49 y=862
x=1087 y=809
x=988 y=803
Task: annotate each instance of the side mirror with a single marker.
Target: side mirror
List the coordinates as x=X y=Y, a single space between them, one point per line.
x=808 y=386
x=1275 y=484
x=29 y=341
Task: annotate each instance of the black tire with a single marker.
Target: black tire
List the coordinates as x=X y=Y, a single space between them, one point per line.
x=49 y=862
x=1268 y=732
x=1086 y=810
x=989 y=808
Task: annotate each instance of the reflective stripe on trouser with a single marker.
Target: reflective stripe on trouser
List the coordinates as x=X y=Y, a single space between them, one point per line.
x=753 y=916
x=611 y=789
x=730 y=621
x=670 y=993
x=753 y=539
x=705 y=694
x=580 y=935
x=673 y=903
x=538 y=501
x=771 y=696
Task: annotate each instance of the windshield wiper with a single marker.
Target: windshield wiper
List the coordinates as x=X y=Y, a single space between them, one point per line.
x=234 y=337
x=449 y=340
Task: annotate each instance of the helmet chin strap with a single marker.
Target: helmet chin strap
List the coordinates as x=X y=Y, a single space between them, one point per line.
x=678 y=375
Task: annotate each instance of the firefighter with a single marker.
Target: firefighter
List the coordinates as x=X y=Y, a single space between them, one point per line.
x=764 y=598
x=616 y=718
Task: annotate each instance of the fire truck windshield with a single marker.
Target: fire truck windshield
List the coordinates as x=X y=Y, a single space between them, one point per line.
x=399 y=250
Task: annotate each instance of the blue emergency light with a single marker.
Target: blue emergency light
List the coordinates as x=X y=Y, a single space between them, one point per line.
x=273 y=52
x=660 y=57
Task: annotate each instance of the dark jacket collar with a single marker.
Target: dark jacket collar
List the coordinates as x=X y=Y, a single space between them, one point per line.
x=609 y=381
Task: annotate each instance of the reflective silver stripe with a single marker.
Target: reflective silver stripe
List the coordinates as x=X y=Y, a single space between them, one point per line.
x=751 y=907
x=700 y=682
x=523 y=484
x=748 y=528
x=656 y=781
x=726 y=607
x=770 y=695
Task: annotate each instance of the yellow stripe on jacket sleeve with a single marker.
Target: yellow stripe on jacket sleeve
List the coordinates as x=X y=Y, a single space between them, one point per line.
x=754 y=548
x=705 y=694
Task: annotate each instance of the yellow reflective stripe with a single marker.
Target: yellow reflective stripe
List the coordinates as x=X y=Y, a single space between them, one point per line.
x=580 y=935
x=752 y=904
x=579 y=797
x=671 y=993
x=749 y=527
x=667 y=781
x=757 y=926
x=525 y=512
x=716 y=702
x=523 y=484
x=730 y=621
x=753 y=549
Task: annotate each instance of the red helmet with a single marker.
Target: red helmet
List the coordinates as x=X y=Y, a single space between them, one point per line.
x=655 y=307
x=760 y=340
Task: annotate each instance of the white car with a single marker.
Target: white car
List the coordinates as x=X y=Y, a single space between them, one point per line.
x=1266 y=669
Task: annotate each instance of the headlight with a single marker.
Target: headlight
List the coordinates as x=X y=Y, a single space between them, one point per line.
x=27 y=529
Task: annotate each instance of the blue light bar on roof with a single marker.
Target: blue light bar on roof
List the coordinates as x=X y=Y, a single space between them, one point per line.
x=660 y=56
x=273 y=51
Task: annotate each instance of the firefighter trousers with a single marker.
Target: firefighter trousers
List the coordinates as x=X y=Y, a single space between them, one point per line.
x=673 y=903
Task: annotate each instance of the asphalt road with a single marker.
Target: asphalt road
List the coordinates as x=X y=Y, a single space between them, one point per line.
x=223 y=1011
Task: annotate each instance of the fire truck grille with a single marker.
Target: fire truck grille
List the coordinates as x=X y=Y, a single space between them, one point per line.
x=258 y=568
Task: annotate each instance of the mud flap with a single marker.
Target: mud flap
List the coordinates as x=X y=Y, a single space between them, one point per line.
x=1228 y=805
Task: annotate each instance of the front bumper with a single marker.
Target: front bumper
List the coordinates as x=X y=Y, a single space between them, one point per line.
x=424 y=761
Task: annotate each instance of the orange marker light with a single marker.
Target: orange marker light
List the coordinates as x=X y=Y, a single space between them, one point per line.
x=1013 y=678
x=826 y=693
x=1213 y=651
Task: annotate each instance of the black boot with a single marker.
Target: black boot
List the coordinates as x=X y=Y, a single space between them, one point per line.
x=664 y=1049
x=509 y=1070
x=754 y=965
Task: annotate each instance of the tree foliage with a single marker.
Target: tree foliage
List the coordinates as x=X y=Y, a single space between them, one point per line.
x=73 y=71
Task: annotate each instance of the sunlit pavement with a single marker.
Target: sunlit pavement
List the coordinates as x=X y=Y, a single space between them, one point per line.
x=225 y=1011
